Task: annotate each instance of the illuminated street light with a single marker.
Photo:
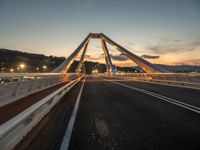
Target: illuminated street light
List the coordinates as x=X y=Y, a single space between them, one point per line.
x=11 y=70
x=37 y=68
x=22 y=66
x=18 y=69
x=44 y=67
x=2 y=69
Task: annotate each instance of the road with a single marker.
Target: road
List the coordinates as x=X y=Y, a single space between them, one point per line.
x=124 y=115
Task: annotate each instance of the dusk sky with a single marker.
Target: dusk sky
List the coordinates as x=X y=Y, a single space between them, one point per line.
x=163 y=31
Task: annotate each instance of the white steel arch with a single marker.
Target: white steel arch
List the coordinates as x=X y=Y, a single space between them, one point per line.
x=145 y=65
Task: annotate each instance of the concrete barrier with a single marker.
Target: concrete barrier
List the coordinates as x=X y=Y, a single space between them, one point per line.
x=14 y=130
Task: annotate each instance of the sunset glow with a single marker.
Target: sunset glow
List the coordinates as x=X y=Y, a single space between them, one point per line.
x=145 y=28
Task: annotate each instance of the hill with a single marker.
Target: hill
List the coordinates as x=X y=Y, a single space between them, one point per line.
x=12 y=58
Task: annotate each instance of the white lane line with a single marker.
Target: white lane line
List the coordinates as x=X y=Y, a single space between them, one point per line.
x=161 y=97
x=68 y=132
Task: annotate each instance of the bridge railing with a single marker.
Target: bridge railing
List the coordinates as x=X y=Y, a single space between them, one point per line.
x=191 y=80
x=17 y=85
x=185 y=77
x=15 y=129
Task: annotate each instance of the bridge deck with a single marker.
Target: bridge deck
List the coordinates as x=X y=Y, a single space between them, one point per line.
x=111 y=116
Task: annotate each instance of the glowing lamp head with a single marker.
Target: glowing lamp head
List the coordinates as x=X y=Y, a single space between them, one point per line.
x=11 y=70
x=22 y=66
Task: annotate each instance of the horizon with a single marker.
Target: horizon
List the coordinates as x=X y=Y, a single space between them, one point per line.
x=101 y=62
x=163 y=32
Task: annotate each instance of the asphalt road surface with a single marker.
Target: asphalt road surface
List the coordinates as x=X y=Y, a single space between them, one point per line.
x=124 y=115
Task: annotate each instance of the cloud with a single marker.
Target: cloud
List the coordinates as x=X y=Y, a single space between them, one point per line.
x=189 y=62
x=88 y=56
x=177 y=40
x=150 y=57
x=119 y=57
x=175 y=46
x=101 y=56
x=130 y=46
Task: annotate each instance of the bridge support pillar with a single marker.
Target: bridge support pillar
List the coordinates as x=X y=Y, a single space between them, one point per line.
x=109 y=65
x=82 y=58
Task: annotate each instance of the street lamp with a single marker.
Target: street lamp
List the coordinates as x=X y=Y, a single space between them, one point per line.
x=18 y=69
x=95 y=71
x=11 y=70
x=44 y=67
x=22 y=66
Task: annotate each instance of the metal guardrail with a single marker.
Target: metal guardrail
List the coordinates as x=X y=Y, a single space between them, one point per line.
x=14 y=130
x=184 y=77
x=23 y=84
x=190 y=80
x=175 y=83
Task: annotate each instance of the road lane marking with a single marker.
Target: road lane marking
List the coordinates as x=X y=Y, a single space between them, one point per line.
x=161 y=97
x=66 y=139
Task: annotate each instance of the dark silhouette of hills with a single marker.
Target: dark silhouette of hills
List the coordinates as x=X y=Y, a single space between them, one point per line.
x=181 y=68
x=12 y=58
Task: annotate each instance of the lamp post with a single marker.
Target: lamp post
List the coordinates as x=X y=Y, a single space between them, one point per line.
x=37 y=69
x=22 y=66
x=11 y=70
x=44 y=67
x=18 y=69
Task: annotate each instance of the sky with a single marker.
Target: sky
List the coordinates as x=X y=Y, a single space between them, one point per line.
x=160 y=31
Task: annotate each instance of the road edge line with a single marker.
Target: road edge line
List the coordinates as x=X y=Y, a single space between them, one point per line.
x=67 y=136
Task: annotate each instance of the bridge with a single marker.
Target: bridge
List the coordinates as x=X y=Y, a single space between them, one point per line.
x=63 y=110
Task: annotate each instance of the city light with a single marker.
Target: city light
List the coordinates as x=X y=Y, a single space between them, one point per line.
x=22 y=66
x=95 y=71
x=44 y=67
x=11 y=70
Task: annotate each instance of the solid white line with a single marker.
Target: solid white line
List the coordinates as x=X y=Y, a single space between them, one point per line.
x=68 y=132
x=161 y=97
